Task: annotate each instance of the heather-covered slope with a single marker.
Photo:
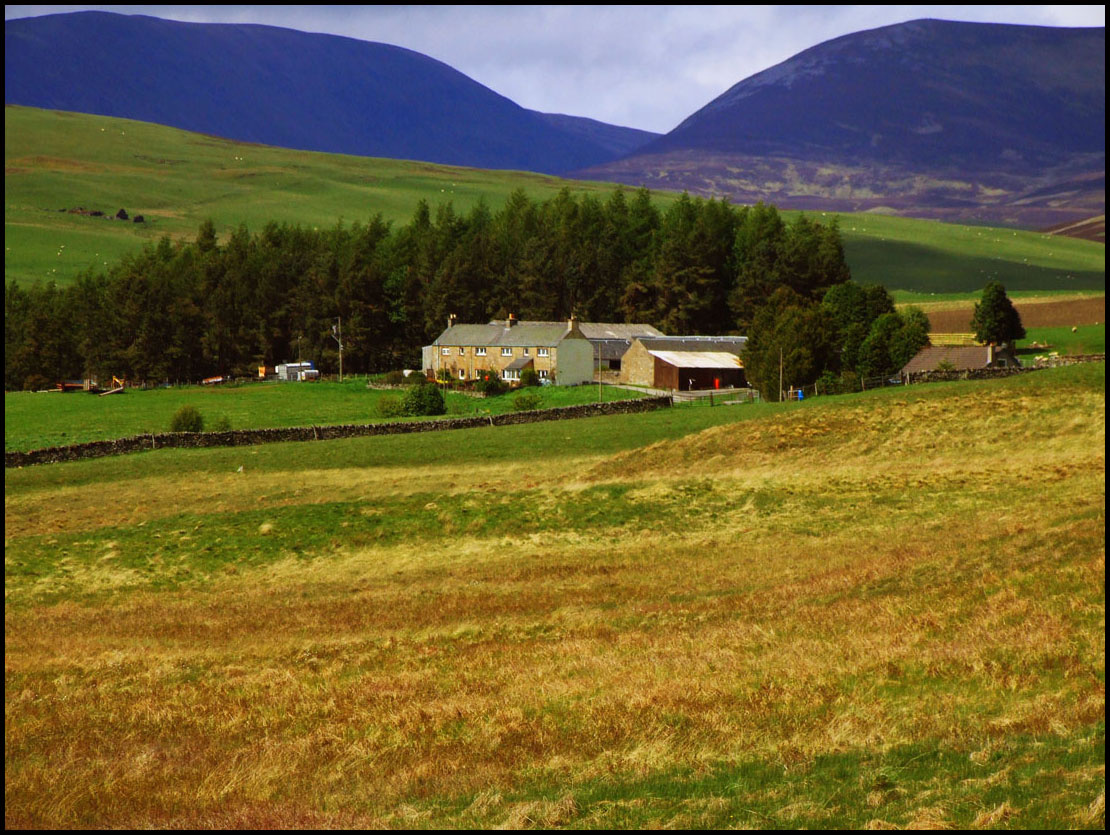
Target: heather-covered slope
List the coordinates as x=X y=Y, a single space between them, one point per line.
x=928 y=117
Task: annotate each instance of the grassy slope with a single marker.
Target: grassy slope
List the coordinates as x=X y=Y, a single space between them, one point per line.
x=33 y=420
x=929 y=257
x=874 y=610
x=177 y=179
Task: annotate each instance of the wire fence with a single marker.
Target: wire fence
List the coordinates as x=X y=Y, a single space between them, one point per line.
x=717 y=397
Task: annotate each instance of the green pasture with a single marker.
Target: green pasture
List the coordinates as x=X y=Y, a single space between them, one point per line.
x=928 y=260
x=41 y=419
x=1085 y=339
x=176 y=180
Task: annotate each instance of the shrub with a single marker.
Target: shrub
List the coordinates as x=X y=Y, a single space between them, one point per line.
x=221 y=424
x=526 y=401
x=529 y=377
x=390 y=407
x=490 y=385
x=187 y=419
x=394 y=378
x=424 y=400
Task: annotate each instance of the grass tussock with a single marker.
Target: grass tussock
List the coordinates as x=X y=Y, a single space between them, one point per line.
x=905 y=632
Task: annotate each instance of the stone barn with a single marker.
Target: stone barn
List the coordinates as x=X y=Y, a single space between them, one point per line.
x=685 y=363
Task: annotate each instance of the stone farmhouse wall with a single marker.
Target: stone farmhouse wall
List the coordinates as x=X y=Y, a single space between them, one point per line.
x=249 y=437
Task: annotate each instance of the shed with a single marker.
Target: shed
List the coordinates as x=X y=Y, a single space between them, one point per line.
x=961 y=358
x=686 y=363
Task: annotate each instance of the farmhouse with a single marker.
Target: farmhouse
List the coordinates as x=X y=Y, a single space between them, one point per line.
x=685 y=363
x=556 y=351
x=961 y=358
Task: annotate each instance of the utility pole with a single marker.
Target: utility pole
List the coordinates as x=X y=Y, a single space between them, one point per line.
x=780 y=374
x=337 y=335
x=598 y=372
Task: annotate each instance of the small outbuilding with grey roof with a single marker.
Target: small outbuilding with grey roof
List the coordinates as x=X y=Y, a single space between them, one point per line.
x=685 y=363
x=960 y=358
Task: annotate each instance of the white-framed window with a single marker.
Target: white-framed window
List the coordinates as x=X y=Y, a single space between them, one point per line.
x=510 y=375
x=479 y=352
x=506 y=352
x=525 y=352
x=462 y=373
x=541 y=352
x=543 y=373
x=462 y=351
x=445 y=351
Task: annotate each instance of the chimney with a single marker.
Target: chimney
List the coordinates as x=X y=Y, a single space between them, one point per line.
x=990 y=354
x=510 y=321
x=452 y=320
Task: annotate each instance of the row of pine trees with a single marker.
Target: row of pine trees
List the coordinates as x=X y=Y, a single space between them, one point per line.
x=183 y=311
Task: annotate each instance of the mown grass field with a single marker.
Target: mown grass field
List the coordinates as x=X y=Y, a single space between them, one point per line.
x=176 y=180
x=879 y=610
x=34 y=420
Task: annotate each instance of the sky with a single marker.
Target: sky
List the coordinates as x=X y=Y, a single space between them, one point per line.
x=646 y=67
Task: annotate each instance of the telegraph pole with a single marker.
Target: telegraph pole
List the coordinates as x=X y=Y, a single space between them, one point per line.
x=337 y=335
x=780 y=374
x=598 y=372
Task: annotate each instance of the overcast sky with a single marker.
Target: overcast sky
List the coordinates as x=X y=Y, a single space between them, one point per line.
x=645 y=67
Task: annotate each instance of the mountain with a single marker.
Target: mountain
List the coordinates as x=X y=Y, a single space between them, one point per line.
x=929 y=117
x=290 y=89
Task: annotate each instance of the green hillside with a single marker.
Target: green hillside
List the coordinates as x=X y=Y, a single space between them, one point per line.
x=56 y=162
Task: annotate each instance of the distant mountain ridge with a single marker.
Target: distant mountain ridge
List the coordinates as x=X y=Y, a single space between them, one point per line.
x=992 y=121
x=291 y=89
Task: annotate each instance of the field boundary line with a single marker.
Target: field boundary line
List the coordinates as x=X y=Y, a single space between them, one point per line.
x=251 y=437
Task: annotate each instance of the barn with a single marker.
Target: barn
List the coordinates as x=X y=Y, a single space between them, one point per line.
x=685 y=363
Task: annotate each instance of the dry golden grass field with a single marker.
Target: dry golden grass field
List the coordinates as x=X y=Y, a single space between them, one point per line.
x=883 y=610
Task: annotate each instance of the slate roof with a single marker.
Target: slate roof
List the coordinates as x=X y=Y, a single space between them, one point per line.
x=962 y=357
x=496 y=334
x=696 y=344
x=519 y=364
x=529 y=334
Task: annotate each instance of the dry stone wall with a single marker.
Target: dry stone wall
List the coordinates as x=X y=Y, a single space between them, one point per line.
x=990 y=373
x=249 y=437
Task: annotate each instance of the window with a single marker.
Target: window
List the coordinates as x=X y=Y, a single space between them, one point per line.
x=543 y=373
x=480 y=352
x=445 y=351
x=462 y=352
x=541 y=352
x=525 y=352
x=462 y=374
x=506 y=352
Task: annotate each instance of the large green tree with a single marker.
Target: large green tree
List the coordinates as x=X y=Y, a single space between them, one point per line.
x=995 y=319
x=792 y=339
